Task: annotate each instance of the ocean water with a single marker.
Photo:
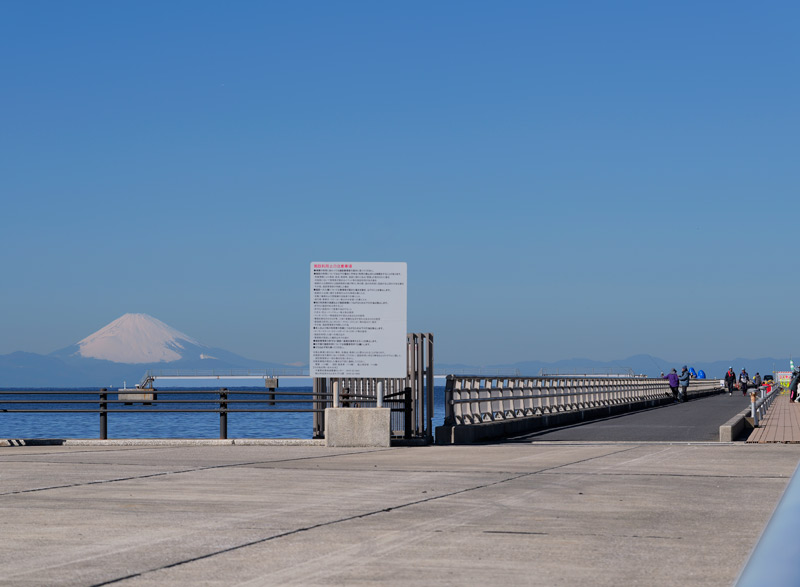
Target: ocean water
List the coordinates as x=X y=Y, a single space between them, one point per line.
x=64 y=424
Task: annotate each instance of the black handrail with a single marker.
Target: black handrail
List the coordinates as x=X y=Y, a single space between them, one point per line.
x=222 y=401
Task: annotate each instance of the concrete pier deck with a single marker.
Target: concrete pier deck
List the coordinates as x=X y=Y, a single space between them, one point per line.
x=533 y=514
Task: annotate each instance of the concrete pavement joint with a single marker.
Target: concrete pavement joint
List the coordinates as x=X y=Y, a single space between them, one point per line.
x=585 y=460
x=307 y=529
x=247 y=464
x=583 y=534
x=516 y=532
x=348 y=519
x=698 y=475
x=622 y=442
x=164 y=473
x=75 y=452
x=72 y=485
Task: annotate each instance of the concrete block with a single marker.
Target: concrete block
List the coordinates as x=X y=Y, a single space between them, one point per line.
x=736 y=426
x=358 y=427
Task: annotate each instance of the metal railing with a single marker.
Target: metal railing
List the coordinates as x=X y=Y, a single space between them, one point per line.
x=220 y=401
x=471 y=399
x=760 y=403
x=410 y=399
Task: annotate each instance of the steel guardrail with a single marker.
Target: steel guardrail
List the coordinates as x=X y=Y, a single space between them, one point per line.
x=759 y=406
x=475 y=399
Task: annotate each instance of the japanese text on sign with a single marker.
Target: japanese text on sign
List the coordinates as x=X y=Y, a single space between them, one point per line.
x=358 y=320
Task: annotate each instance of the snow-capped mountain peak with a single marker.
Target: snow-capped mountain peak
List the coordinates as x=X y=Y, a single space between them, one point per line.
x=136 y=338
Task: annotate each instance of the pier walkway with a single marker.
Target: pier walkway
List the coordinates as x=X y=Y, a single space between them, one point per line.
x=599 y=513
x=697 y=420
x=780 y=424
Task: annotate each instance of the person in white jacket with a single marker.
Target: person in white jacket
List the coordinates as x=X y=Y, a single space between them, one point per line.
x=744 y=381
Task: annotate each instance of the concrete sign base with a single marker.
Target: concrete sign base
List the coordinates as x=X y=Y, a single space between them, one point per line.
x=357 y=427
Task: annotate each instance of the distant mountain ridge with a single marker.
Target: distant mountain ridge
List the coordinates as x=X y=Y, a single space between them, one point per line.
x=126 y=348
x=121 y=352
x=643 y=364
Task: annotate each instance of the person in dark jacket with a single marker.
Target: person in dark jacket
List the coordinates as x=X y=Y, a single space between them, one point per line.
x=684 y=381
x=793 y=386
x=757 y=380
x=744 y=381
x=730 y=380
x=672 y=379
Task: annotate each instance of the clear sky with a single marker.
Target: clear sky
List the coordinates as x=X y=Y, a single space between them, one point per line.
x=564 y=179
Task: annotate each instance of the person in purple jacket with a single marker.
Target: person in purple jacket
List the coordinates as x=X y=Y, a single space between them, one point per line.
x=672 y=379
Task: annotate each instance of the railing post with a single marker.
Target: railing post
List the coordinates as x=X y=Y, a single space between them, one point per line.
x=223 y=413
x=271 y=383
x=407 y=412
x=449 y=419
x=753 y=410
x=320 y=403
x=419 y=386
x=429 y=391
x=103 y=415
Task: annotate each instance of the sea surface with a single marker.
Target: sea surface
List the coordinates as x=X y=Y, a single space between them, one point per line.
x=151 y=424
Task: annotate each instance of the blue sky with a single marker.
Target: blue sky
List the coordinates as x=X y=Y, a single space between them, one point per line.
x=564 y=179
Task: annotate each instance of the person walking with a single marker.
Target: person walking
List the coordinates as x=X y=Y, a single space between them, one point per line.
x=744 y=381
x=757 y=380
x=793 y=386
x=684 y=382
x=730 y=380
x=672 y=379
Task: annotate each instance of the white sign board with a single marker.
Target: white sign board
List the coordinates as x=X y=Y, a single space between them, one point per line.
x=358 y=320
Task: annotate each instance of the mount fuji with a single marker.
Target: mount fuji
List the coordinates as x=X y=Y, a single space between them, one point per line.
x=123 y=350
x=135 y=339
